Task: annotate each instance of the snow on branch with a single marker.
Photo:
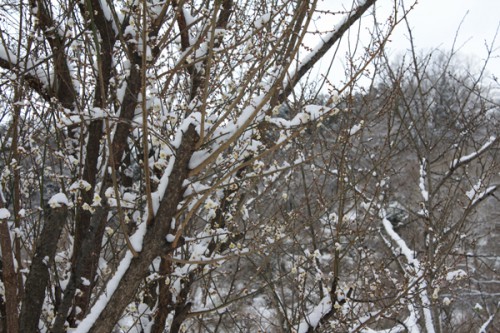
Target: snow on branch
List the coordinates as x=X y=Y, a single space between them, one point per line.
x=58 y=200
x=414 y=271
x=136 y=240
x=405 y=250
x=4 y=214
x=312 y=319
x=467 y=158
x=319 y=51
x=476 y=195
x=36 y=79
x=483 y=327
x=7 y=55
x=86 y=324
x=231 y=131
x=408 y=325
x=110 y=15
x=421 y=182
x=311 y=112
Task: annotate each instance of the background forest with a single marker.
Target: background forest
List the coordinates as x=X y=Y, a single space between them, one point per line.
x=176 y=166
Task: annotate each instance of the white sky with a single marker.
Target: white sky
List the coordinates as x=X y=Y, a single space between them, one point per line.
x=434 y=24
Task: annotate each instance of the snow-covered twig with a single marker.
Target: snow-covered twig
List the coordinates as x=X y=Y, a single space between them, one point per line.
x=416 y=279
x=421 y=183
x=486 y=324
x=312 y=319
x=317 y=53
x=467 y=158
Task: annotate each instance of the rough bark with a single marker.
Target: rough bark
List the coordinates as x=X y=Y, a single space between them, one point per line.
x=38 y=277
x=95 y=132
x=154 y=242
x=9 y=276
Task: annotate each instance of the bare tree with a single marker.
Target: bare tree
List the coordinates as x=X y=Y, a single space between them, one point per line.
x=137 y=135
x=370 y=236
x=166 y=166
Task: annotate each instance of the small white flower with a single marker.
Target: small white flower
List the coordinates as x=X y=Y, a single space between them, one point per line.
x=97 y=200
x=276 y=110
x=109 y=231
x=210 y=204
x=109 y=192
x=87 y=207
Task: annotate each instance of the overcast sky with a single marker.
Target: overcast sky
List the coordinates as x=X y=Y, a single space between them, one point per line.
x=434 y=24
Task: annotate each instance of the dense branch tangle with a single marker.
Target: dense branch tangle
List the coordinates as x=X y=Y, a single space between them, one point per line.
x=157 y=107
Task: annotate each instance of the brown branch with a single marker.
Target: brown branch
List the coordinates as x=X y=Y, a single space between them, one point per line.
x=154 y=241
x=225 y=13
x=9 y=276
x=38 y=277
x=165 y=303
x=318 y=54
x=63 y=87
x=32 y=81
x=87 y=260
x=127 y=112
x=461 y=162
x=183 y=27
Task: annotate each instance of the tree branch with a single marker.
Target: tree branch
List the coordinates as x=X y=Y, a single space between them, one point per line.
x=154 y=243
x=38 y=277
x=317 y=54
x=9 y=276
